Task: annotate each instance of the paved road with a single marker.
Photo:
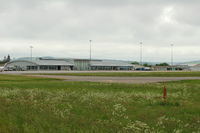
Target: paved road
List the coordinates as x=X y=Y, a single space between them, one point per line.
x=46 y=72
x=131 y=80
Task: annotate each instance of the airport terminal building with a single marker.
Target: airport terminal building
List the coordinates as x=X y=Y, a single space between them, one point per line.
x=66 y=64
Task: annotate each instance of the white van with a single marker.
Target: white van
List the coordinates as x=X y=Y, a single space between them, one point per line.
x=1 y=69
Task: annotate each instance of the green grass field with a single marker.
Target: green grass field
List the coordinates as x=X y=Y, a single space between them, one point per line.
x=132 y=74
x=39 y=105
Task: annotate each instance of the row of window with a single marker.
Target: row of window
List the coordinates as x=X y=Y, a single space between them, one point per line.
x=110 y=68
x=46 y=67
x=71 y=68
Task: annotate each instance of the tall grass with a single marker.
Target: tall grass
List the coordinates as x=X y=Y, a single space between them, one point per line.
x=41 y=105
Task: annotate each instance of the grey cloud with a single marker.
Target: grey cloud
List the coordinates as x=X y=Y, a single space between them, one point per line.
x=120 y=22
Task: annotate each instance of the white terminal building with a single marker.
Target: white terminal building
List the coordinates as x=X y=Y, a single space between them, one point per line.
x=38 y=64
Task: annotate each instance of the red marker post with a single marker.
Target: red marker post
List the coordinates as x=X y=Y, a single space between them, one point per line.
x=164 y=93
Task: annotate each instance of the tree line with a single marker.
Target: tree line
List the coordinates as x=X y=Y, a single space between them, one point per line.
x=149 y=65
x=5 y=60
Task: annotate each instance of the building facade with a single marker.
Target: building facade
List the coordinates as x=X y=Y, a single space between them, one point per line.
x=66 y=64
x=25 y=65
x=110 y=65
x=171 y=68
x=195 y=67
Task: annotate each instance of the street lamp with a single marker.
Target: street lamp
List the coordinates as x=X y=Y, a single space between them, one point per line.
x=31 y=47
x=172 y=54
x=141 y=53
x=90 y=49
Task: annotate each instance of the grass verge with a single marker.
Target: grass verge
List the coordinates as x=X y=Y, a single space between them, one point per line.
x=29 y=104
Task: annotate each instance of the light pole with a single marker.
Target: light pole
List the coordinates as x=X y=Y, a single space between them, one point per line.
x=31 y=47
x=141 y=53
x=90 y=49
x=172 y=54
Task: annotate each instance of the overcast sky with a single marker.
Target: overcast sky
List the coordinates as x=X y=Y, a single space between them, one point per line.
x=63 y=28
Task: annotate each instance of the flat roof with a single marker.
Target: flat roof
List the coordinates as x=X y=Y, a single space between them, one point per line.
x=86 y=60
x=46 y=62
x=110 y=63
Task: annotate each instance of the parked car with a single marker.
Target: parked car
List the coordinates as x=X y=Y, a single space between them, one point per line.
x=1 y=69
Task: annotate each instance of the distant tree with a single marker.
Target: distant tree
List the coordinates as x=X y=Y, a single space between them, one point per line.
x=5 y=60
x=147 y=65
x=162 y=64
x=135 y=63
x=8 y=58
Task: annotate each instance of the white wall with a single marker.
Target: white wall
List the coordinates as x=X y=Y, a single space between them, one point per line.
x=22 y=64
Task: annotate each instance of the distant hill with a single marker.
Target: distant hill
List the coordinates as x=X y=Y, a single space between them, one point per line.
x=33 y=58
x=191 y=63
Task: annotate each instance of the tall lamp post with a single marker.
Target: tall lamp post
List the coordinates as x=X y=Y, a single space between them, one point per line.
x=141 y=53
x=90 y=49
x=172 y=54
x=31 y=47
